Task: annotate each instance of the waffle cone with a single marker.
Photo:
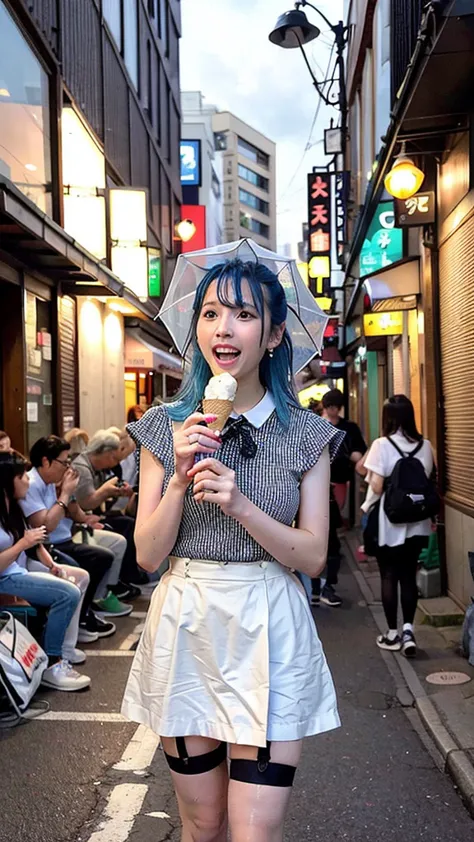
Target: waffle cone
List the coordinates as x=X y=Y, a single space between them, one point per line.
x=220 y=408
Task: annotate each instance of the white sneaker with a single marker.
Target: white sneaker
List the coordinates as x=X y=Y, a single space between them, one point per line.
x=86 y=636
x=61 y=676
x=75 y=657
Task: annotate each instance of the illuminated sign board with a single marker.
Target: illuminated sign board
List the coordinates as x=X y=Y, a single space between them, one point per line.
x=190 y=152
x=383 y=324
x=319 y=229
x=383 y=244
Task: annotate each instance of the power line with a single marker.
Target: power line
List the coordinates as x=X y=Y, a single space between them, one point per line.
x=308 y=144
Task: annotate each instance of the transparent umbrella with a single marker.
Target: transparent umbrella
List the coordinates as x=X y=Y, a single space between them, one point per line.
x=306 y=321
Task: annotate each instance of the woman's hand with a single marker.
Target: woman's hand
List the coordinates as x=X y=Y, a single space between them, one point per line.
x=215 y=483
x=32 y=537
x=190 y=439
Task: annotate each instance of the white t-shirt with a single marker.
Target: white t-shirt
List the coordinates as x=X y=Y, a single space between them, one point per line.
x=19 y=565
x=381 y=459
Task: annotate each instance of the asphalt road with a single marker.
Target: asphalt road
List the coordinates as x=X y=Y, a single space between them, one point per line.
x=374 y=779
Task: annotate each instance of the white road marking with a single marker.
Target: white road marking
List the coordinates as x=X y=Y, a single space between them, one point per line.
x=110 y=653
x=158 y=815
x=124 y=804
x=74 y=716
x=140 y=751
x=138 y=615
x=129 y=641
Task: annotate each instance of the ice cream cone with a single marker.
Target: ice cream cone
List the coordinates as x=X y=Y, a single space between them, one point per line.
x=221 y=408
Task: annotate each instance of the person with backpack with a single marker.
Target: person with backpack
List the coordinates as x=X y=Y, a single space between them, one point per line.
x=400 y=468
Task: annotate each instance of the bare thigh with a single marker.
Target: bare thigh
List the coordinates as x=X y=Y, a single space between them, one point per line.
x=257 y=812
x=202 y=798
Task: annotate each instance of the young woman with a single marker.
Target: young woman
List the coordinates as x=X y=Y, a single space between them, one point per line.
x=60 y=596
x=399 y=545
x=230 y=662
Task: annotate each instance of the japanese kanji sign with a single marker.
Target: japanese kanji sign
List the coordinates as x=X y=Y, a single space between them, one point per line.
x=319 y=222
x=418 y=210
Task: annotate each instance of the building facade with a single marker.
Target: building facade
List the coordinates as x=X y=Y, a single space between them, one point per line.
x=249 y=181
x=201 y=170
x=409 y=308
x=89 y=197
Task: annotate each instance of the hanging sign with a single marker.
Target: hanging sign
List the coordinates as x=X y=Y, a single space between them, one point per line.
x=383 y=244
x=418 y=210
x=319 y=228
x=341 y=196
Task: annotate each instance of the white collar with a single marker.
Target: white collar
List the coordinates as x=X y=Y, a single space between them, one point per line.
x=260 y=412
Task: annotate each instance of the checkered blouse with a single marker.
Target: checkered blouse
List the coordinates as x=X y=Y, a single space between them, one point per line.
x=271 y=479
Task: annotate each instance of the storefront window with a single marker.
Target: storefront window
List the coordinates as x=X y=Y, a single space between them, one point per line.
x=39 y=379
x=25 y=155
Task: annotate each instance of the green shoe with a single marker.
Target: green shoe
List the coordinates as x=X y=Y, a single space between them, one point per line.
x=112 y=606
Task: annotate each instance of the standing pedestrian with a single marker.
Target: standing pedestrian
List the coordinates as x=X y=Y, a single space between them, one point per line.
x=398 y=544
x=230 y=660
x=342 y=473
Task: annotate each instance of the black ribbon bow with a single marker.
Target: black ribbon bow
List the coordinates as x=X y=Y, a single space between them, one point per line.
x=241 y=430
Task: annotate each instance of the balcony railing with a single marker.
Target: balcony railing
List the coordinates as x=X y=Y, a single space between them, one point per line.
x=406 y=19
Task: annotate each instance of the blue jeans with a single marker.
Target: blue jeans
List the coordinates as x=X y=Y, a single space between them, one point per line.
x=59 y=596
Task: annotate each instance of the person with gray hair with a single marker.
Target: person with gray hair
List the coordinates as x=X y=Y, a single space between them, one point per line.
x=94 y=492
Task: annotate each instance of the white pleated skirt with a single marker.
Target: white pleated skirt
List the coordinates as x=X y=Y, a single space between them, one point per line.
x=230 y=651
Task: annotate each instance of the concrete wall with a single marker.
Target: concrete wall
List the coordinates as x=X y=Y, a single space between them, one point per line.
x=101 y=366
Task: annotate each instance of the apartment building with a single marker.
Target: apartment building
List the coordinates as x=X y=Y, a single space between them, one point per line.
x=249 y=181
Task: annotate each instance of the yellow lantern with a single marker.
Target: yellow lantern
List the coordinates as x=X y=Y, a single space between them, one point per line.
x=404 y=179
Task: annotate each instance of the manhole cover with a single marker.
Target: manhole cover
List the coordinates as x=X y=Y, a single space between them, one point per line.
x=448 y=678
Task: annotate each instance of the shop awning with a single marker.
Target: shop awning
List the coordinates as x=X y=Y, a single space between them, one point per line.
x=144 y=351
x=395 y=287
x=38 y=243
x=444 y=89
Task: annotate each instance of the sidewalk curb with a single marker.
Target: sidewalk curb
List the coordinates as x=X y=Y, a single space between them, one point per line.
x=456 y=760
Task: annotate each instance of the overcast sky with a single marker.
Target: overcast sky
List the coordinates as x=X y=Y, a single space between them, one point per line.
x=226 y=54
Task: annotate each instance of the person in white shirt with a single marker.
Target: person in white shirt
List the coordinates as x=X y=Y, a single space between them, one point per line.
x=399 y=545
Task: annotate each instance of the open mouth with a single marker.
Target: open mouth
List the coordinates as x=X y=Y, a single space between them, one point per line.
x=226 y=355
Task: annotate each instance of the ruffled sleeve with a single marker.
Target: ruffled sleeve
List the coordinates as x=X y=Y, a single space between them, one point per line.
x=318 y=434
x=154 y=431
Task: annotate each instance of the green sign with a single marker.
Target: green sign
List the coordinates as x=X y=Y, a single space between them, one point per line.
x=384 y=243
x=154 y=273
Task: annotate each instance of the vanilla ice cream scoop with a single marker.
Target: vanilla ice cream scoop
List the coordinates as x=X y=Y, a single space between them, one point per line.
x=222 y=387
x=219 y=398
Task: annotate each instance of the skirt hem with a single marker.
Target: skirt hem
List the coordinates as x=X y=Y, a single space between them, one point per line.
x=227 y=733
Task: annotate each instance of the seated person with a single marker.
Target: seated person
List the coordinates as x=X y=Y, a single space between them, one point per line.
x=95 y=488
x=78 y=439
x=60 y=596
x=5 y=442
x=49 y=502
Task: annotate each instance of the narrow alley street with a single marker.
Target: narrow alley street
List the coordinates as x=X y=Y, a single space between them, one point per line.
x=91 y=776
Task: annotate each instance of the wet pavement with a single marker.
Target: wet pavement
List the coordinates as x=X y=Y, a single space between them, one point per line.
x=376 y=778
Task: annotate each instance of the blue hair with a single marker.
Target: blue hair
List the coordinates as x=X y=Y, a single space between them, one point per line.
x=275 y=373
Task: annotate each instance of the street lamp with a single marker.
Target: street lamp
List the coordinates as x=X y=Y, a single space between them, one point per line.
x=404 y=179
x=293 y=31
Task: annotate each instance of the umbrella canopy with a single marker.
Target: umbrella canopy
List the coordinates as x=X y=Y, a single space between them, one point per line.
x=306 y=322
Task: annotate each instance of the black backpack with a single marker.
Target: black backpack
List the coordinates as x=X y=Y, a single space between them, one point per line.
x=410 y=495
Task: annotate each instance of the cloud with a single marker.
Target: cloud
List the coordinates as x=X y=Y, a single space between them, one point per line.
x=226 y=54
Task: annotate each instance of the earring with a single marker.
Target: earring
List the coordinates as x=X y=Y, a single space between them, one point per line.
x=270 y=353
